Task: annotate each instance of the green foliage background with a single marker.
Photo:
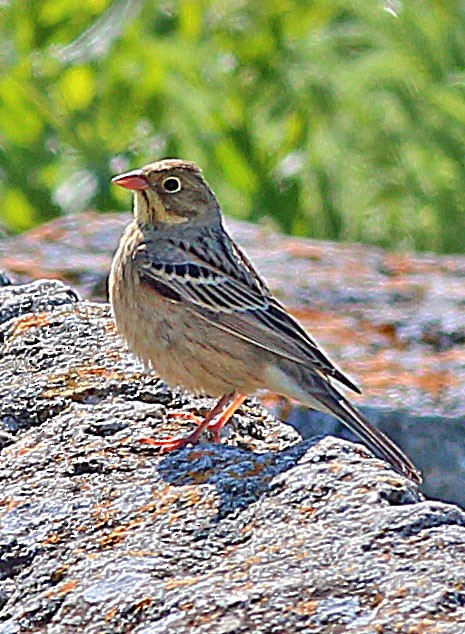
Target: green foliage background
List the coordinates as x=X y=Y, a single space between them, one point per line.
x=337 y=118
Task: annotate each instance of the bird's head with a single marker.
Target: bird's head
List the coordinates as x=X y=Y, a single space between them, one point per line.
x=170 y=192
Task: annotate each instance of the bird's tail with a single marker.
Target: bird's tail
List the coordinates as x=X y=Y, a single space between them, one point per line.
x=370 y=435
x=317 y=392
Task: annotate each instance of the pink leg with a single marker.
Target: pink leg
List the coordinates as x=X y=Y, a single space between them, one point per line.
x=216 y=427
x=225 y=407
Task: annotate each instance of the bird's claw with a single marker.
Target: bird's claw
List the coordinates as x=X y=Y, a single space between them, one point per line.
x=214 y=427
x=166 y=444
x=171 y=443
x=213 y=422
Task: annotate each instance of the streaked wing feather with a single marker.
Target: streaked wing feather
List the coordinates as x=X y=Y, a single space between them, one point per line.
x=235 y=301
x=254 y=326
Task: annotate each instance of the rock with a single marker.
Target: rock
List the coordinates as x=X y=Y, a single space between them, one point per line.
x=436 y=444
x=34 y=298
x=263 y=533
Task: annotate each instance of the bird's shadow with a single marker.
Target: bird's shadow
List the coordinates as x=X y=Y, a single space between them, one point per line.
x=240 y=476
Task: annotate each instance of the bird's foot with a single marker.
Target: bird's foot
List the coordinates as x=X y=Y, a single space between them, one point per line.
x=214 y=426
x=213 y=422
x=171 y=443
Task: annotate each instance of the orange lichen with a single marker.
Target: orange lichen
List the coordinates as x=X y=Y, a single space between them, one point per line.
x=62 y=589
x=54 y=538
x=398 y=264
x=305 y=251
x=110 y=615
x=29 y=266
x=376 y=600
x=426 y=626
x=120 y=533
x=10 y=503
x=178 y=583
x=115 y=537
x=305 y=608
x=328 y=323
x=23 y=451
x=31 y=320
x=101 y=514
x=388 y=374
x=192 y=495
x=400 y=593
x=78 y=380
x=67 y=587
x=143 y=604
x=110 y=327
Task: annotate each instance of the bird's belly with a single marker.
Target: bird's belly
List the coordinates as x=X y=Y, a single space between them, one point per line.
x=182 y=348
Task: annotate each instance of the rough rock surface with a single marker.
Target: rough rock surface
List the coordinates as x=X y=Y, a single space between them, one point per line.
x=263 y=533
x=395 y=322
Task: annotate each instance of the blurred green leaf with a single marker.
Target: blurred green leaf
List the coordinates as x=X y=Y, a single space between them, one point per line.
x=338 y=119
x=77 y=87
x=17 y=211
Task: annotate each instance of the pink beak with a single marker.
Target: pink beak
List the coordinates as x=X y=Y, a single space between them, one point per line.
x=132 y=180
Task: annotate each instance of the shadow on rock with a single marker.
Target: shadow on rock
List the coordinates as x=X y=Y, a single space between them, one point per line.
x=240 y=477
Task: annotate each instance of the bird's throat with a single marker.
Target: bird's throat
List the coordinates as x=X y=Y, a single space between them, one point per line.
x=149 y=209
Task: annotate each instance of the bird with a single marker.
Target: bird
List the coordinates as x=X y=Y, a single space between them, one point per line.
x=191 y=305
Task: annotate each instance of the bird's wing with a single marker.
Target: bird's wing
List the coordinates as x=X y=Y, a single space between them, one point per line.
x=224 y=288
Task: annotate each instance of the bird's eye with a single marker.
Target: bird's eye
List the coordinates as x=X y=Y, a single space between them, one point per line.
x=172 y=185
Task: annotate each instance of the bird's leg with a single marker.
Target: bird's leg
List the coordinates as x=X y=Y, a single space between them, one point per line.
x=228 y=411
x=214 y=425
x=198 y=420
x=225 y=408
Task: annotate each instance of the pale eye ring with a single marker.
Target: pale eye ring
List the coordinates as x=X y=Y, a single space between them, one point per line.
x=172 y=185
